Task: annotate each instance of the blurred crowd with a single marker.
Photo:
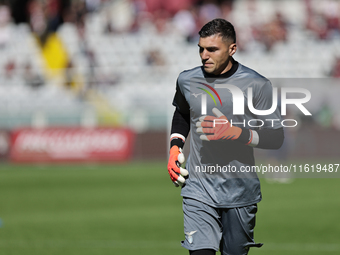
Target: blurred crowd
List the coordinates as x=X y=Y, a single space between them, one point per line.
x=184 y=17
x=319 y=22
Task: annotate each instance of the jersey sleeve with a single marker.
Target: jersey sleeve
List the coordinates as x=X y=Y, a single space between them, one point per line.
x=270 y=138
x=180 y=101
x=271 y=134
x=179 y=129
x=181 y=120
x=263 y=100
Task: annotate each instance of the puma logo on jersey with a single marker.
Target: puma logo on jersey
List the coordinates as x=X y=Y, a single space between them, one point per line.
x=196 y=95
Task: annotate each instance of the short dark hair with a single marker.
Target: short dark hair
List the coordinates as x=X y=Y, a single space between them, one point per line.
x=219 y=26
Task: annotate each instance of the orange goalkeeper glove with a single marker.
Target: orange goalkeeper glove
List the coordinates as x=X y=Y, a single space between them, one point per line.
x=175 y=170
x=217 y=128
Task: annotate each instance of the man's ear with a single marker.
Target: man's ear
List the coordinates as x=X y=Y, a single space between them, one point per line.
x=232 y=49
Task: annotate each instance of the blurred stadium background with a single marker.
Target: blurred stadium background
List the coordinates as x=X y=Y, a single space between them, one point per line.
x=85 y=105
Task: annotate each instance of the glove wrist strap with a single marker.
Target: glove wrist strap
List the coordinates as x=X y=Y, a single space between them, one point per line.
x=177 y=139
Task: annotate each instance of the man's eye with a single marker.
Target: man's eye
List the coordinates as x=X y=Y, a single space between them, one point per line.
x=212 y=50
x=201 y=50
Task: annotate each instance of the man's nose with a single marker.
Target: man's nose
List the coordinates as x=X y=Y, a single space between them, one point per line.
x=205 y=55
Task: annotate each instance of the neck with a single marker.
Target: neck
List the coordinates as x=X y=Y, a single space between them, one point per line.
x=229 y=65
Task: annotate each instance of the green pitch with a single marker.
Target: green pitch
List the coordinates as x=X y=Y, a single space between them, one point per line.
x=134 y=209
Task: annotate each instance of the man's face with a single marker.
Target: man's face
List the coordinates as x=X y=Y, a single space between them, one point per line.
x=215 y=54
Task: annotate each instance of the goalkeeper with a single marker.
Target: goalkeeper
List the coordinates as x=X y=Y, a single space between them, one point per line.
x=219 y=207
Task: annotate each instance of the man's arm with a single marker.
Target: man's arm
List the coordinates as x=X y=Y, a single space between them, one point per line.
x=264 y=138
x=219 y=128
x=268 y=137
x=179 y=129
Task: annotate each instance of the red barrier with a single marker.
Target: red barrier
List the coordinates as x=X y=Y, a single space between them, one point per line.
x=71 y=145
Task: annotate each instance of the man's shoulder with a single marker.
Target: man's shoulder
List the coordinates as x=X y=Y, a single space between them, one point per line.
x=190 y=73
x=254 y=77
x=250 y=73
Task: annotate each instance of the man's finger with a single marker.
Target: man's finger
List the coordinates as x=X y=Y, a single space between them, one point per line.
x=201 y=130
x=208 y=137
x=206 y=118
x=181 y=158
x=176 y=184
x=184 y=172
x=217 y=112
x=177 y=176
x=204 y=138
x=206 y=124
x=180 y=180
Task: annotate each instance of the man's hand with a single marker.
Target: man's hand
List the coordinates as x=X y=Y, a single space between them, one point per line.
x=217 y=128
x=175 y=170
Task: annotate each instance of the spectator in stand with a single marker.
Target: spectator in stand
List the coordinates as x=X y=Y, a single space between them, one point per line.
x=9 y=69
x=209 y=11
x=93 y=5
x=69 y=75
x=185 y=22
x=140 y=14
x=76 y=14
x=45 y=17
x=323 y=19
x=335 y=72
x=5 y=17
x=37 y=19
x=226 y=8
x=273 y=32
x=10 y=77
x=154 y=58
x=32 y=78
x=161 y=20
x=108 y=26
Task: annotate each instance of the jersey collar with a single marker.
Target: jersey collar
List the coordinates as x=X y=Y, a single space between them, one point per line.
x=232 y=70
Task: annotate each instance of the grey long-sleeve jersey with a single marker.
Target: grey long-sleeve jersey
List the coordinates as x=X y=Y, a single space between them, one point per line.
x=221 y=172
